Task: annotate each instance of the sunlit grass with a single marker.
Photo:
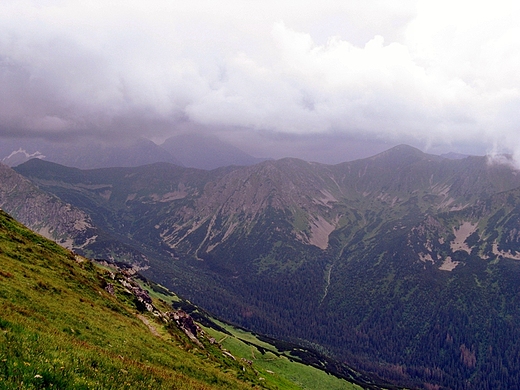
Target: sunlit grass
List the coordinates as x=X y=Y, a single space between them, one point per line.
x=274 y=366
x=60 y=329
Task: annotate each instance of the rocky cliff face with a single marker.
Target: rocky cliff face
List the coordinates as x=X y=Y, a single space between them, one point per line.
x=60 y=221
x=236 y=202
x=43 y=212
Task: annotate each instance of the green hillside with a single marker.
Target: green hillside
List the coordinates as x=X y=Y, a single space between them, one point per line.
x=68 y=323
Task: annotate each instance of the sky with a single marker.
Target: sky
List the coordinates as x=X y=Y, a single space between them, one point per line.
x=327 y=80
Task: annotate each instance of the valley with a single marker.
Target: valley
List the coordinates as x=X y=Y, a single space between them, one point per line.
x=68 y=322
x=403 y=265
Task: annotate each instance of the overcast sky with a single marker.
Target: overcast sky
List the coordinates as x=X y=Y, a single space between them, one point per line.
x=311 y=79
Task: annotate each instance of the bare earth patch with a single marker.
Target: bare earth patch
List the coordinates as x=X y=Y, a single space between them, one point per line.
x=461 y=234
x=449 y=264
x=505 y=254
x=320 y=231
x=169 y=196
x=426 y=257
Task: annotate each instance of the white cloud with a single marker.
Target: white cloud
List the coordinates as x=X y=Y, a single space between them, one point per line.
x=429 y=72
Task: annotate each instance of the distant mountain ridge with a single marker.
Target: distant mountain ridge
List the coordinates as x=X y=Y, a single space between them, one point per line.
x=207 y=152
x=87 y=154
x=454 y=156
x=393 y=263
x=190 y=150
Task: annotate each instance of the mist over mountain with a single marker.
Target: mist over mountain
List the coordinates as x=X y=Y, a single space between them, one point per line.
x=393 y=263
x=86 y=154
x=190 y=150
x=206 y=152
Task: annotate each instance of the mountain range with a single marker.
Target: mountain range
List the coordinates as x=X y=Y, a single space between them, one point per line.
x=190 y=150
x=404 y=264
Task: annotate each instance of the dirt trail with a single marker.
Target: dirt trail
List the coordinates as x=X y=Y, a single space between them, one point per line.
x=149 y=325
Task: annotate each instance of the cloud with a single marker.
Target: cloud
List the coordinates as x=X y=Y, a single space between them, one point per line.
x=432 y=74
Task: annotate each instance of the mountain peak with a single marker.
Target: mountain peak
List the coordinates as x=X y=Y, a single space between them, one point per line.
x=404 y=154
x=402 y=149
x=205 y=151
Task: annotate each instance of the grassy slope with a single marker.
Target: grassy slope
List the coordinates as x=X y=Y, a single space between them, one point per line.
x=275 y=366
x=60 y=329
x=58 y=326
